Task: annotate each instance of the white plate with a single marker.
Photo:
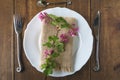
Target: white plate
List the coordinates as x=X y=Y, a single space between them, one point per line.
x=32 y=34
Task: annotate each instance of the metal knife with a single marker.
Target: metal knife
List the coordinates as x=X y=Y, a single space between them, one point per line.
x=97 y=42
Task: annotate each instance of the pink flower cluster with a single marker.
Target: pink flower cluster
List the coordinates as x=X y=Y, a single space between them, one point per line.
x=73 y=31
x=42 y=15
x=48 y=52
x=45 y=16
x=64 y=37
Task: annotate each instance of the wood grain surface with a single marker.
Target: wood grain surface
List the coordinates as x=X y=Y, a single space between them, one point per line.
x=109 y=39
x=6 y=40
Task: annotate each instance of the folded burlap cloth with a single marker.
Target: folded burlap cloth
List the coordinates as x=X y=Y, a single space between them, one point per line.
x=66 y=58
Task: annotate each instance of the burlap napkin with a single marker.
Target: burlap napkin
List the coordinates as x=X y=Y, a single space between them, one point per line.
x=66 y=59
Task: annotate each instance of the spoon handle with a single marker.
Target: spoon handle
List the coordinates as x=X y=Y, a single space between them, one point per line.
x=67 y=2
x=45 y=3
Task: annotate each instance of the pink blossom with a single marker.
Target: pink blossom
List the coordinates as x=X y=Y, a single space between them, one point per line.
x=48 y=52
x=45 y=16
x=51 y=51
x=42 y=15
x=64 y=38
x=73 y=31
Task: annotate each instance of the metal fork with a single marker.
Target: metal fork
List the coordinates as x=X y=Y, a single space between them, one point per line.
x=18 y=25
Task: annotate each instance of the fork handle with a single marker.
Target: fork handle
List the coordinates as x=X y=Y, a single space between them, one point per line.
x=19 y=68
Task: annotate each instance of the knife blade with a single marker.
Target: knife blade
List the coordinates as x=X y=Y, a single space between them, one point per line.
x=96 y=25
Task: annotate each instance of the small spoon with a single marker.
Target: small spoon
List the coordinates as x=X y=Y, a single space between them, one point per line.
x=45 y=3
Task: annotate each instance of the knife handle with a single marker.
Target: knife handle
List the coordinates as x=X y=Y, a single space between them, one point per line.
x=97 y=66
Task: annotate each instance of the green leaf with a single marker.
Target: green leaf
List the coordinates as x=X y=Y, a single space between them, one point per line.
x=58 y=21
x=48 y=71
x=48 y=66
x=43 y=66
x=50 y=38
x=54 y=23
x=64 y=25
x=62 y=22
x=48 y=44
x=59 y=46
x=48 y=60
x=53 y=38
x=52 y=16
x=54 y=55
x=53 y=64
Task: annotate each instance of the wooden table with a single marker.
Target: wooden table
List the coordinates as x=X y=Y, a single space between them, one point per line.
x=109 y=39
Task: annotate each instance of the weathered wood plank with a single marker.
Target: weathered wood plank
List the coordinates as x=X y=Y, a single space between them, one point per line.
x=6 y=40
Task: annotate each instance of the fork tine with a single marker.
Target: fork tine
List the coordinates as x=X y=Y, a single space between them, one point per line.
x=21 y=21
x=18 y=23
x=14 y=21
